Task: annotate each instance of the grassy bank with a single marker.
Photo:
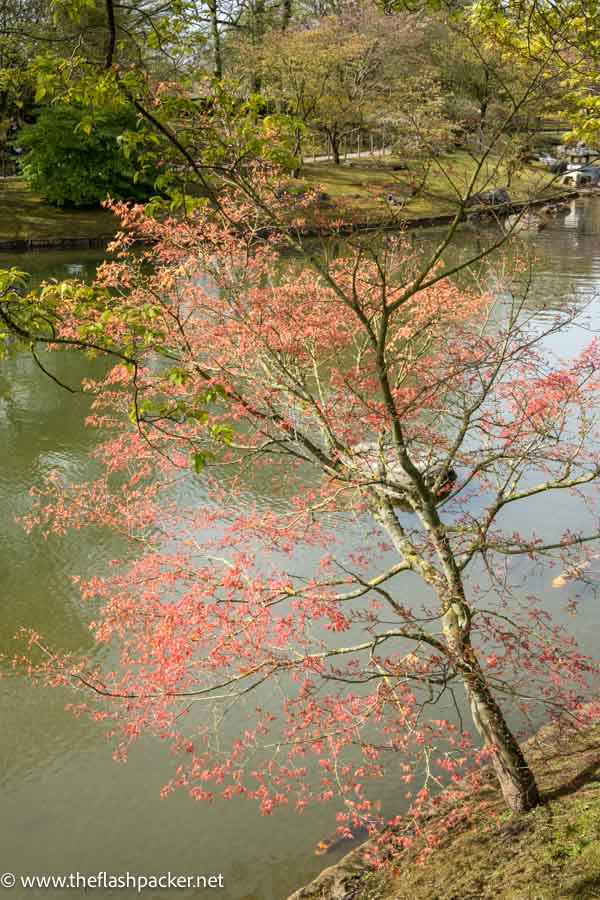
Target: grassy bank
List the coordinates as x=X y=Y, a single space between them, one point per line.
x=362 y=186
x=357 y=192
x=26 y=217
x=552 y=853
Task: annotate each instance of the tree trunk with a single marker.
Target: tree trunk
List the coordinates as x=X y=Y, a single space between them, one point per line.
x=516 y=779
x=335 y=149
x=484 y=99
x=216 y=38
x=286 y=14
x=112 y=34
x=297 y=153
x=258 y=28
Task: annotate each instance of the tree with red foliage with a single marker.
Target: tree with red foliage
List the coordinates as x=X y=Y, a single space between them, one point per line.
x=397 y=416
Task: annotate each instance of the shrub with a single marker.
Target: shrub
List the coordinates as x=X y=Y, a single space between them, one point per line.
x=74 y=157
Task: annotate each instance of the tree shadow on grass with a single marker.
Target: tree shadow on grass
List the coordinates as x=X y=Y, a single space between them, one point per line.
x=585 y=889
x=574 y=784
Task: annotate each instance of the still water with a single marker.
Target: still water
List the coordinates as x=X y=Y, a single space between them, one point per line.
x=67 y=807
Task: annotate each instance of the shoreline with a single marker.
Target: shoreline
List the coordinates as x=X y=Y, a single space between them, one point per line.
x=505 y=209
x=27 y=245
x=566 y=762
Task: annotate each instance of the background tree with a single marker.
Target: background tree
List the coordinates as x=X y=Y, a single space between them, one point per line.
x=563 y=41
x=356 y=72
x=321 y=81
x=343 y=73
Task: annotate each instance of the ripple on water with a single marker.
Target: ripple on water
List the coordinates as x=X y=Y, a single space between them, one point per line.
x=69 y=805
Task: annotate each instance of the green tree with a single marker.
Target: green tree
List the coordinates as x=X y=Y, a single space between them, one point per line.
x=566 y=34
x=74 y=157
x=348 y=72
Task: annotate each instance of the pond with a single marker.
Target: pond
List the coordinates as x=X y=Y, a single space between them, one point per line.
x=67 y=806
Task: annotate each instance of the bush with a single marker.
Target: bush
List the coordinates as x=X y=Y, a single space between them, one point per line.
x=74 y=158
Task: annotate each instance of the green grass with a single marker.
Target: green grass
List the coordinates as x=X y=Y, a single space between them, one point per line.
x=25 y=216
x=362 y=187
x=552 y=853
x=357 y=193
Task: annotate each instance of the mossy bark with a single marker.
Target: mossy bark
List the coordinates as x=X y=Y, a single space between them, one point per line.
x=516 y=779
x=514 y=775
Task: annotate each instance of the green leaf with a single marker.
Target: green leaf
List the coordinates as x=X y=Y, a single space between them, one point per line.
x=223 y=433
x=199 y=459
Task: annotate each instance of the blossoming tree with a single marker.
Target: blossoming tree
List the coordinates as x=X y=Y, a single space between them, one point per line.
x=398 y=416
